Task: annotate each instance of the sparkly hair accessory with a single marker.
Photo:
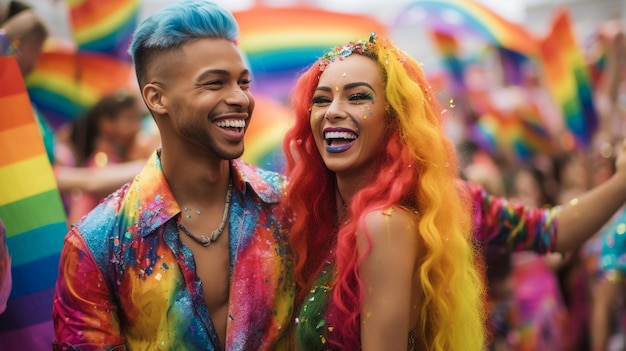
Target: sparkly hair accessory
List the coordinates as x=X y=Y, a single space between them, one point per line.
x=341 y=52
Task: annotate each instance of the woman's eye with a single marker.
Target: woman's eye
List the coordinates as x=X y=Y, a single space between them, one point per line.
x=320 y=100
x=361 y=96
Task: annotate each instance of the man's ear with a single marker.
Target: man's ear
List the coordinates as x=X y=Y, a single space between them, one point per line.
x=153 y=96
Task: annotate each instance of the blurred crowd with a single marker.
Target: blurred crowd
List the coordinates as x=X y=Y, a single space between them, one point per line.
x=552 y=302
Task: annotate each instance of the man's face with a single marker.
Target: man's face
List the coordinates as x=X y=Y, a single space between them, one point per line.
x=207 y=97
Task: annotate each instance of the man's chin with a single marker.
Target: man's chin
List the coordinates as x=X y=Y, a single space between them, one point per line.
x=232 y=155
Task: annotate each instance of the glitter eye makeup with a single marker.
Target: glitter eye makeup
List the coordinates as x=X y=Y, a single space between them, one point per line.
x=362 y=96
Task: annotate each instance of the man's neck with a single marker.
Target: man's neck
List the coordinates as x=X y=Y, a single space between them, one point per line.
x=197 y=180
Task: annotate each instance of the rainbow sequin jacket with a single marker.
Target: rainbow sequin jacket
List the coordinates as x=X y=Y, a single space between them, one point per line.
x=126 y=281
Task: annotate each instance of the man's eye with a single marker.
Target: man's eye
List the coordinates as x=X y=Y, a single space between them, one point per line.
x=213 y=83
x=245 y=83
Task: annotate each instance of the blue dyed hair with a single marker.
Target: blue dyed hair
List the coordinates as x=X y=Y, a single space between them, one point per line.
x=178 y=23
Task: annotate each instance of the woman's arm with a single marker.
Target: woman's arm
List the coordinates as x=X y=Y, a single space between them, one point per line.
x=582 y=217
x=516 y=227
x=97 y=181
x=387 y=273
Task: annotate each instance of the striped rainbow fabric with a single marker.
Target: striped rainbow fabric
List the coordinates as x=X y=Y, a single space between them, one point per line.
x=518 y=132
x=468 y=17
x=448 y=47
x=568 y=79
x=104 y=26
x=264 y=137
x=32 y=211
x=66 y=83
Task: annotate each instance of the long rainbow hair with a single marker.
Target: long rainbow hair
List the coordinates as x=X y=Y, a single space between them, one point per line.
x=417 y=170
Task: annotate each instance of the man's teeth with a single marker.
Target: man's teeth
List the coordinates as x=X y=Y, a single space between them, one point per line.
x=233 y=123
x=339 y=135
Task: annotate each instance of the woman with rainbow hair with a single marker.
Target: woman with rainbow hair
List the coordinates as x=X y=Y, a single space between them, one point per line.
x=382 y=235
x=385 y=231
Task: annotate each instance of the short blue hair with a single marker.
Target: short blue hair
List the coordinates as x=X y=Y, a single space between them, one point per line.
x=178 y=23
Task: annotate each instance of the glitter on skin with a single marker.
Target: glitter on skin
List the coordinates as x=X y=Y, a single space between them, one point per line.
x=101 y=159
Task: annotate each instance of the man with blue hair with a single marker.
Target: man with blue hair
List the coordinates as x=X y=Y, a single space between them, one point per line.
x=193 y=253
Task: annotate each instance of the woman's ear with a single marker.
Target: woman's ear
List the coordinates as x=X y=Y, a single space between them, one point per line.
x=153 y=96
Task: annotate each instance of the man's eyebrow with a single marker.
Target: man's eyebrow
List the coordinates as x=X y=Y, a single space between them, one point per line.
x=220 y=72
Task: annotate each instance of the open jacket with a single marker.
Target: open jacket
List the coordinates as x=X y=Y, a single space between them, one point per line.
x=126 y=281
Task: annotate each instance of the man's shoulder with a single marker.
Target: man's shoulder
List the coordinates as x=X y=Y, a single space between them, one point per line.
x=105 y=218
x=267 y=175
x=267 y=184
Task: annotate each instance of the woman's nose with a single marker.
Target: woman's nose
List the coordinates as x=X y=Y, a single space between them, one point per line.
x=335 y=111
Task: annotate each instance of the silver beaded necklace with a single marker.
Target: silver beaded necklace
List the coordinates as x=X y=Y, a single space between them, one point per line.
x=202 y=239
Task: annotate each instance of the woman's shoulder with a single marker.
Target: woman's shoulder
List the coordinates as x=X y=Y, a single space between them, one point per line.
x=389 y=241
x=392 y=216
x=397 y=223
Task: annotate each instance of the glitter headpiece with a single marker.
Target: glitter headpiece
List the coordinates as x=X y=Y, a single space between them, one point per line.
x=341 y=52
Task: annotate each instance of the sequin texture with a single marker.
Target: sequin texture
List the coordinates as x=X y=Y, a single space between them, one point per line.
x=143 y=291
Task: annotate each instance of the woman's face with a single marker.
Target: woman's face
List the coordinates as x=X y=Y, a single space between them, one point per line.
x=123 y=129
x=348 y=114
x=527 y=190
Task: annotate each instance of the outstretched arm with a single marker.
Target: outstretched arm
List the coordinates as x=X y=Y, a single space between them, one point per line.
x=584 y=216
x=97 y=181
x=516 y=227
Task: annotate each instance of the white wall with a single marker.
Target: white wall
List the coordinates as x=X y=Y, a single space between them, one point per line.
x=535 y=14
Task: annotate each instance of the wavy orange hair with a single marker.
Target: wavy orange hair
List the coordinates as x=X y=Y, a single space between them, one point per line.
x=417 y=169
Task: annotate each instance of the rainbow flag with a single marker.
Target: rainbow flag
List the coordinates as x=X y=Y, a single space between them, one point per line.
x=518 y=138
x=467 y=17
x=264 y=138
x=105 y=27
x=448 y=48
x=518 y=133
x=66 y=83
x=32 y=211
x=568 y=79
x=280 y=42
x=512 y=66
